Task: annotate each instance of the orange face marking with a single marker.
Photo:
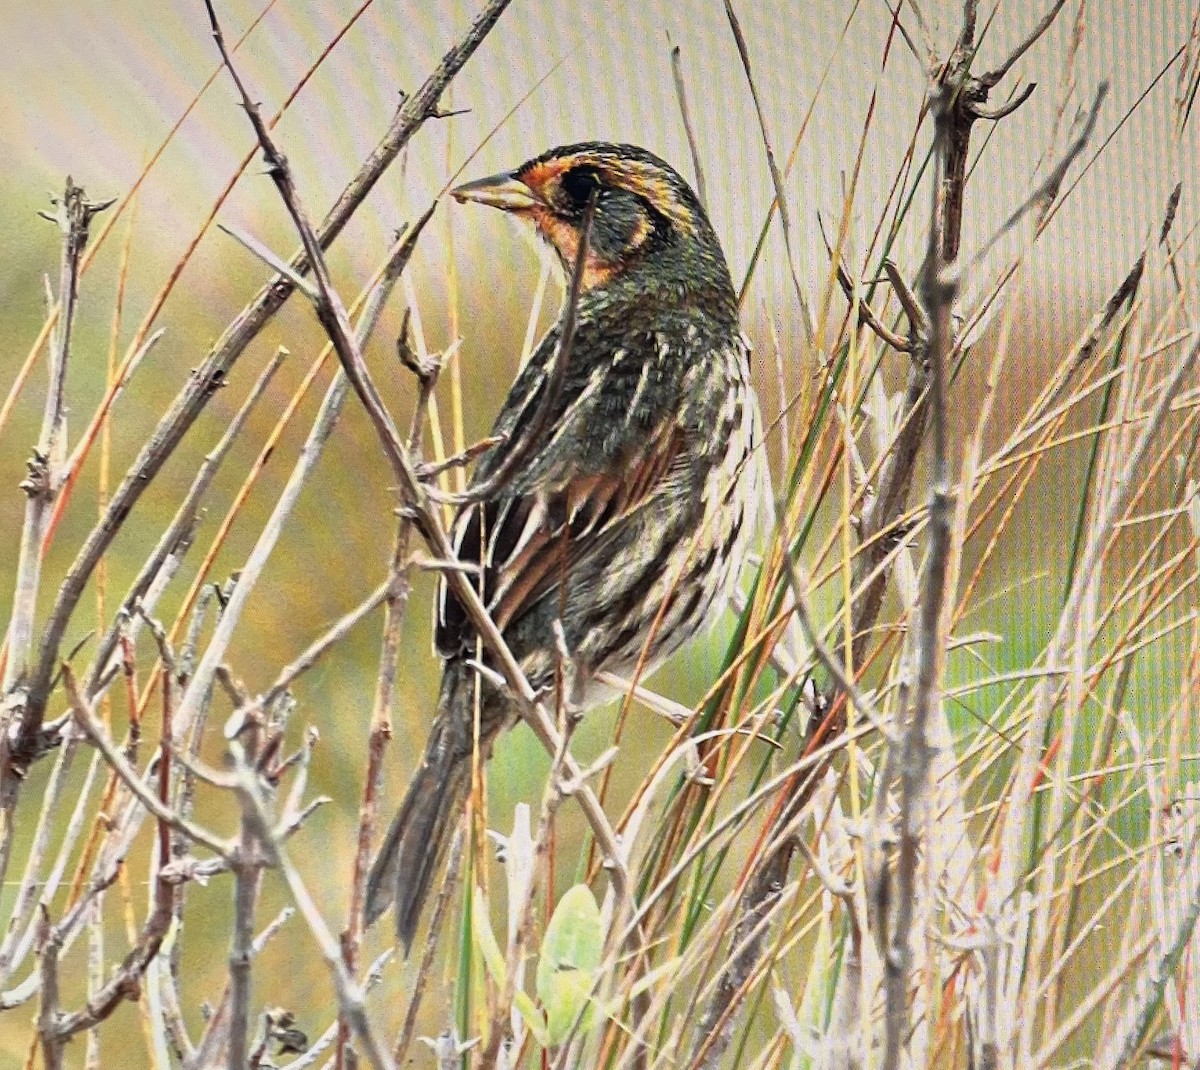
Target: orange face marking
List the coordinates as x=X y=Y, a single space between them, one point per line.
x=565 y=239
x=543 y=178
x=633 y=175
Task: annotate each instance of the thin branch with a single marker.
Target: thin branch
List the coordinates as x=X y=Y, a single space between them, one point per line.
x=380 y=731
x=74 y=216
x=86 y=720
x=323 y=425
x=938 y=291
x=216 y=1030
x=833 y=664
x=1003 y=111
x=408 y=1028
x=432 y=469
x=908 y=300
x=182 y=522
x=247 y=873
x=685 y=116
x=322 y=644
x=204 y=382
x=275 y=262
x=49 y=1012
x=554 y=381
x=321 y=1044
x=776 y=177
x=865 y=313
x=19 y=732
x=349 y=993
x=520 y=906
x=996 y=73
x=126 y=979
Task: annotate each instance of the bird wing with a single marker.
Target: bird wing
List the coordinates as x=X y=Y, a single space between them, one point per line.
x=615 y=444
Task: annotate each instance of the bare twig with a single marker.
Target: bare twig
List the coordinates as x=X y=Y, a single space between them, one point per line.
x=271 y=259
x=322 y=644
x=520 y=906
x=349 y=993
x=183 y=520
x=332 y=314
x=866 y=314
x=322 y=428
x=1044 y=23
x=204 y=382
x=685 y=116
x=216 y=1031
x=23 y=924
x=833 y=664
x=74 y=216
x=321 y=1044
x=432 y=469
x=125 y=980
x=938 y=289
x=385 y=686
x=49 y=1012
x=86 y=720
x=19 y=731
x=776 y=177
x=408 y=1027
x=247 y=873
x=908 y=300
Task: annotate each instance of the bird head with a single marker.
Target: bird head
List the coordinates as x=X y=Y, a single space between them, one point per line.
x=645 y=213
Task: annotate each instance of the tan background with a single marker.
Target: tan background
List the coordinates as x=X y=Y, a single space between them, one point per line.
x=90 y=87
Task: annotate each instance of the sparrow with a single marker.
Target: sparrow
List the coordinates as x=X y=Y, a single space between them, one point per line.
x=616 y=508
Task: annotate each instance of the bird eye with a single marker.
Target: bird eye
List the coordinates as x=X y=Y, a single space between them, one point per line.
x=578 y=184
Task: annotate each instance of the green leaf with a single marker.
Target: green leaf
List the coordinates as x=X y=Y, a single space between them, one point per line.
x=569 y=961
x=485 y=939
x=532 y=1017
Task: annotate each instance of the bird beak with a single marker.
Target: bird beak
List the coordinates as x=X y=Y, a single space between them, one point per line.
x=504 y=191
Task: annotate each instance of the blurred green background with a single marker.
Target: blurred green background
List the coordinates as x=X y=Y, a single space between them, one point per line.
x=91 y=87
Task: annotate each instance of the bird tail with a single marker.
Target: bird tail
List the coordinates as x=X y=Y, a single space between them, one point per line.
x=420 y=833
